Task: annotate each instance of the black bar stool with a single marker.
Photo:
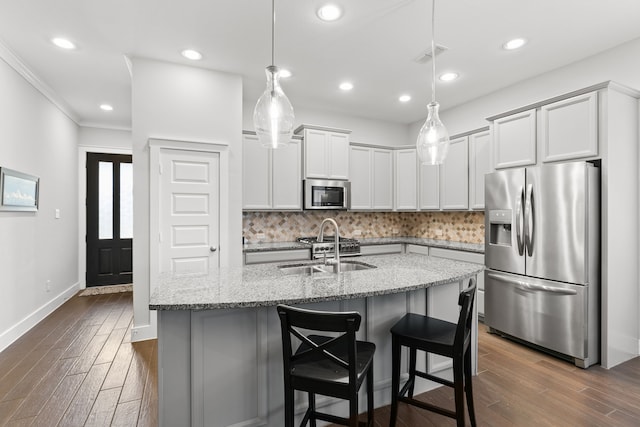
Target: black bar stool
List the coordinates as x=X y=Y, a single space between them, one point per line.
x=326 y=365
x=436 y=336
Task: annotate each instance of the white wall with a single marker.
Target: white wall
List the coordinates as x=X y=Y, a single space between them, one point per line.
x=36 y=138
x=182 y=103
x=620 y=64
x=98 y=138
x=365 y=131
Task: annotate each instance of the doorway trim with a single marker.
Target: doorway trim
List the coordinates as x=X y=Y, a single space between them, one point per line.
x=156 y=145
x=82 y=205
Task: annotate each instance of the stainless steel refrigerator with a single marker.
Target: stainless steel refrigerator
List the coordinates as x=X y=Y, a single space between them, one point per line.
x=542 y=256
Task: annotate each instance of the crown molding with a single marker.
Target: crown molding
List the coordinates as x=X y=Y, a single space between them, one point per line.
x=15 y=62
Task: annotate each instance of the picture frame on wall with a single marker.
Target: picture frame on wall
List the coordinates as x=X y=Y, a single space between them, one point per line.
x=18 y=191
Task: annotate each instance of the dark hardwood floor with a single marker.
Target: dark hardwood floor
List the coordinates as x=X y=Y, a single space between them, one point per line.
x=78 y=368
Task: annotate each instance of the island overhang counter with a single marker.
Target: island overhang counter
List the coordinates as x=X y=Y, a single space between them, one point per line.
x=219 y=345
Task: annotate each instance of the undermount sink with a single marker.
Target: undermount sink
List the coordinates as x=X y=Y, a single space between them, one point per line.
x=311 y=269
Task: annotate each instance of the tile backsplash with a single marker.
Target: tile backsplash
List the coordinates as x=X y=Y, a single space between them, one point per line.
x=466 y=227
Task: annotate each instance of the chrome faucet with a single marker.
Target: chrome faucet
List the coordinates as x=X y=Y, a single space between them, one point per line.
x=336 y=260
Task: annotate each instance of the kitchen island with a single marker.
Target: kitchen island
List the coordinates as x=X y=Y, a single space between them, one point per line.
x=219 y=345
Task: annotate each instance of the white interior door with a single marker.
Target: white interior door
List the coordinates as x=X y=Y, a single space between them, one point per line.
x=189 y=211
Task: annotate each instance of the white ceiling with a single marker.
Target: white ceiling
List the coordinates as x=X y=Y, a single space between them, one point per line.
x=374 y=45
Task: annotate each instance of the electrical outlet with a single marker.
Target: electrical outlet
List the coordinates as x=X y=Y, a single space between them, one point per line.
x=47 y=286
x=260 y=236
x=357 y=232
x=395 y=231
x=438 y=232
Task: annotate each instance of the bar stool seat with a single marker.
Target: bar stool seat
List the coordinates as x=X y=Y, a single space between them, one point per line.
x=334 y=366
x=418 y=332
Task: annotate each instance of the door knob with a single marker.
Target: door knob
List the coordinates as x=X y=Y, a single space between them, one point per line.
x=212 y=249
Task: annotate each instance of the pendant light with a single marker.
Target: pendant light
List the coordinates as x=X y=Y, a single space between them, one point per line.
x=273 y=116
x=433 y=140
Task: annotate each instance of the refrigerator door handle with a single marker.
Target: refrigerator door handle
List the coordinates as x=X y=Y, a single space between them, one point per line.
x=531 y=286
x=528 y=214
x=519 y=221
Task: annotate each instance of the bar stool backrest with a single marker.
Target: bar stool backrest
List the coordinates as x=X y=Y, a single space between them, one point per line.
x=463 y=330
x=293 y=319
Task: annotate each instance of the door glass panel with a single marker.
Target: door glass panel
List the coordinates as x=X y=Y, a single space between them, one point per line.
x=105 y=200
x=126 y=200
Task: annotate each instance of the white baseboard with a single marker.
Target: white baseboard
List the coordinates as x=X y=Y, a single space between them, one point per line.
x=143 y=333
x=9 y=336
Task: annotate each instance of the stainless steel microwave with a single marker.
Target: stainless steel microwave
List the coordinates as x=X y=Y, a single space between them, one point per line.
x=326 y=194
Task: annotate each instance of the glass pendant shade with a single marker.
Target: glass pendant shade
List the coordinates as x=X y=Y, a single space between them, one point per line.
x=433 y=140
x=273 y=116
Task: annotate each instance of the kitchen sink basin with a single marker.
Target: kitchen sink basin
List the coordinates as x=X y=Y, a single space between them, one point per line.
x=311 y=269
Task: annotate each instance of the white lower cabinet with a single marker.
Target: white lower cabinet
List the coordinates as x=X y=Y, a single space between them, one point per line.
x=474 y=257
x=277 y=256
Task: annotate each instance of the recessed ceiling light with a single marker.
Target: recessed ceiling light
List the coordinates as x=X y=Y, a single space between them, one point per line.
x=404 y=98
x=191 y=54
x=346 y=86
x=63 y=43
x=514 y=44
x=106 y=107
x=284 y=73
x=447 y=77
x=329 y=12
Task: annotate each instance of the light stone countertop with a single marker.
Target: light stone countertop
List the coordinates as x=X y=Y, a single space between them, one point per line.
x=446 y=244
x=264 y=285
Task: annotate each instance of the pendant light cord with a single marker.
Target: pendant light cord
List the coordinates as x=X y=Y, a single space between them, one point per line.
x=433 y=50
x=273 y=26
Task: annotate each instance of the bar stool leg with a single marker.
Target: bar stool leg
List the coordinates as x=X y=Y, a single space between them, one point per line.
x=312 y=408
x=353 y=410
x=468 y=382
x=370 y=408
x=458 y=386
x=288 y=407
x=412 y=371
x=395 y=379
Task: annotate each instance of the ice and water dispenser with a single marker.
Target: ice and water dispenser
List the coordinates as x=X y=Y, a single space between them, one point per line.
x=500 y=227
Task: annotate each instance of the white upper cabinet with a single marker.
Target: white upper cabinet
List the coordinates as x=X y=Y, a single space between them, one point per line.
x=382 y=179
x=454 y=176
x=479 y=166
x=361 y=170
x=406 y=189
x=286 y=177
x=371 y=171
x=514 y=140
x=256 y=174
x=271 y=179
x=569 y=128
x=325 y=152
x=429 y=187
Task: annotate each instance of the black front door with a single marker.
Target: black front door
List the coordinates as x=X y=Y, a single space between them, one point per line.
x=109 y=219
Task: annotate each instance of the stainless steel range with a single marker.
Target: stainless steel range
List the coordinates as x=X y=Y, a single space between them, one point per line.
x=348 y=247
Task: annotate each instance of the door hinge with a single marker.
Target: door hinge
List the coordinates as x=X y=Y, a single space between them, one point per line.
x=160 y=168
x=160 y=237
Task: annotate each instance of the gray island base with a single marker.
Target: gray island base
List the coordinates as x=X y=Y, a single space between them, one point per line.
x=219 y=344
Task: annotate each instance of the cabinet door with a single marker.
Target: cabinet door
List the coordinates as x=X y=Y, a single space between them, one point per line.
x=479 y=165
x=514 y=140
x=361 y=174
x=406 y=180
x=429 y=187
x=287 y=177
x=569 y=128
x=382 y=179
x=315 y=155
x=256 y=174
x=338 y=155
x=454 y=176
